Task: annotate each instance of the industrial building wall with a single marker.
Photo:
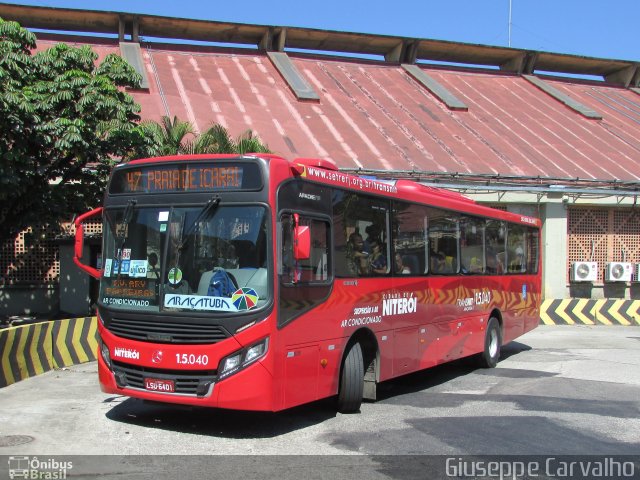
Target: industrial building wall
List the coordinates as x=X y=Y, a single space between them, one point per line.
x=31 y=273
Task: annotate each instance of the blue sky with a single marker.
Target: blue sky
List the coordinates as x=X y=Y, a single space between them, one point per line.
x=597 y=28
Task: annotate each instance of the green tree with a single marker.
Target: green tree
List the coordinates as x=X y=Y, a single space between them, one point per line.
x=64 y=121
x=177 y=137
x=168 y=137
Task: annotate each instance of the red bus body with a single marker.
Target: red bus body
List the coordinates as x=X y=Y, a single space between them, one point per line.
x=404 y=323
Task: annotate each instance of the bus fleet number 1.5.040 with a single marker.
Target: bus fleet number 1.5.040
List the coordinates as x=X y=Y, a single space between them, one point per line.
x=191 y=359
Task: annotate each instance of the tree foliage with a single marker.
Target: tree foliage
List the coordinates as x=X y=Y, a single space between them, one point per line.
x=174 y=137
x=64 y=121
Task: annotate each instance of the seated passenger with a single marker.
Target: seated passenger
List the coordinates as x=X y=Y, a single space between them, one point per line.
x=377 y=261
x=400 y=267
x=373 y=235
x=517 y=264
x=356 y=257
x=437 y=263
x=494 y=265
x=449 y=263
x=475 y=265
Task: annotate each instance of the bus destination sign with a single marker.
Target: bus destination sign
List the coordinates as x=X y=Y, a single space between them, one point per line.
x=190 y=177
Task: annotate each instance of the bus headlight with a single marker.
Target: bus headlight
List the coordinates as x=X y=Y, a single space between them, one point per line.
x=104 y=350
x=243 y=358
x=230 y=363
x=256 y=352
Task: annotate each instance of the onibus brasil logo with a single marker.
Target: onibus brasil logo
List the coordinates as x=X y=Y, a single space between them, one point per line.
x=35 y=468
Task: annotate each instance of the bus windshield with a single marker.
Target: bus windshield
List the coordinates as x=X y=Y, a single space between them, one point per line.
x=198 y=259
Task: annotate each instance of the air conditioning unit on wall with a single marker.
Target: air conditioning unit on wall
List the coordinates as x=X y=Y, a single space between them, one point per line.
x=584 y=271
x=618 y=272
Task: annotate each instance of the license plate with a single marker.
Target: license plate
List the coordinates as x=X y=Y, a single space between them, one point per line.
x=158 y=385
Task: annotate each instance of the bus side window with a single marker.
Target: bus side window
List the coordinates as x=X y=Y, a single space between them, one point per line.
x=287 y=265
x=318 y=263
x=410 y=243
x=304 y=282
x=516 y=240
x=310 y=270
x=495 y=234
x=361 y=222
x=533 y=247
x=444 y=234
x=472 y=245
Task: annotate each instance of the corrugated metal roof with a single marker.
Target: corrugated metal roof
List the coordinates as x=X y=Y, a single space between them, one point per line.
x=374 y=115
x=274 y=37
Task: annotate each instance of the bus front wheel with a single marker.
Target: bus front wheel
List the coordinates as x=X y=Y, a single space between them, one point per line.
x=492 y=342
x=351 y=381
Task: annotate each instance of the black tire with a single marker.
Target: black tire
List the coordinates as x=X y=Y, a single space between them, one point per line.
x=351 y=381
x=492 y=343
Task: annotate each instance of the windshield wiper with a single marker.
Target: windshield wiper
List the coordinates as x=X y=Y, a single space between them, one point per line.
x=195 y=226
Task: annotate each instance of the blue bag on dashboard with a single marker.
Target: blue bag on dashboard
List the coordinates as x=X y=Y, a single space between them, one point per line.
x=220 y=285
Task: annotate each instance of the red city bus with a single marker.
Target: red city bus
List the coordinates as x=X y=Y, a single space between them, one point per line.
x=251 y=282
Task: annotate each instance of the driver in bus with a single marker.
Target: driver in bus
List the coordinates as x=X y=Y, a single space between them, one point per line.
x=230 y=259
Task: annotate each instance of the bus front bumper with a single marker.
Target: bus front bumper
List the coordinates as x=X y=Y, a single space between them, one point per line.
x=249 y=389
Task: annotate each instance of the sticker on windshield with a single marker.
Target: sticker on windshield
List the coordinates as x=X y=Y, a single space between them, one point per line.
x=138 y=268
x=114 y=268
x=245 y=298
x=126 y=254
x=163 y=227
x=197 y=302
x=174 y=276
x=107 y=268
x=241 y=300
x=124 y=267
x=163 y=216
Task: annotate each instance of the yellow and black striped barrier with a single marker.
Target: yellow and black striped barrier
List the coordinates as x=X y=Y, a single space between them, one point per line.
x=584 y=311
x=30 y=350
x=75 y=341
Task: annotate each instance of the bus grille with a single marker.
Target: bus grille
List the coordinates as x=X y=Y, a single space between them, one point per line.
x=186 y=382
x=166 y=331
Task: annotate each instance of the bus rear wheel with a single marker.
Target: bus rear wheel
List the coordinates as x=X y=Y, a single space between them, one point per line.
x=351 y=381
x=492 y=342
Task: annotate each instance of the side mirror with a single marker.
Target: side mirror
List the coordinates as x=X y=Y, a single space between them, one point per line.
x=301 y=240
x=79 y=244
